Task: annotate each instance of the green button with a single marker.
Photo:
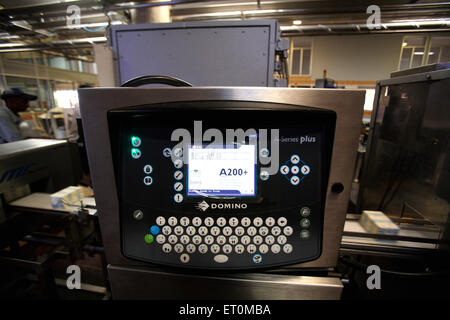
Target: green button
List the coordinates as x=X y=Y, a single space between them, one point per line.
x=304 y=234
x=305 y=211
x=148 y=238
x=135 y=141
x=305 y=223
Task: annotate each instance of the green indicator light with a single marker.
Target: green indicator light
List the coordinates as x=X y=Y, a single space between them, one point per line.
x=135 y=141
x=135 y=153
x=148 y=238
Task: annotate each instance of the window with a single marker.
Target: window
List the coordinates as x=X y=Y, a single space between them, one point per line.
x=300 y=56
x=419 y=51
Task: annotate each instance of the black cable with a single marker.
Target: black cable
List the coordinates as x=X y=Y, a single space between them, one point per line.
x=153 y=79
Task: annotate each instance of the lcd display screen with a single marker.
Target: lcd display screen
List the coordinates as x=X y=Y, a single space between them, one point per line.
x=221 y=171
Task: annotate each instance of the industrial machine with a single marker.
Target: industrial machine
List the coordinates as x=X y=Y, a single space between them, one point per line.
x=195 y=184
x=207 y=53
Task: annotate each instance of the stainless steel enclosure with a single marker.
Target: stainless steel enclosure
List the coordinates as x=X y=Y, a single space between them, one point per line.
x=95 y=103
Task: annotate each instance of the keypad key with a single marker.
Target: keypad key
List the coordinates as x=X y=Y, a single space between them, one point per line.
x=178 y=248
x=197 y=239
x=276 y=231
x=251 y=248
x=190 y=248
x=233 y=240
x=227 y=231
x=184 y=239
x=287 y=248
x=209 y=239
x=239 y=249
x=227 y=248
x=184 y=221
x=282 y=221
x=166 y=230
x=215 y=231
x=305 y=223
x=166 y=248
x=263 y=231
x=221 y=222
x=209 y=222
x=270 y=221
x=160 y=221
x=160 y=238
x=178 y=230
x=257 y=222
x=239 y=231
x=257 y=240
x=203 y=231
x=190 y=231
x=245 y=222
x=251 y=231
x=270 y=240
x=221 y=240
x=263 y=248
x=173 y=239
x=287 y=231
x=233 y=221
x=281 y=240
x=215 y=248
x=203 y=248
x=245 y=240
x=172 y=221
x=185 y=258
x=197 y=221
x=275 y=248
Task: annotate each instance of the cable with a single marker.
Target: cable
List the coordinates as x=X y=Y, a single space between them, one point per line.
x=152 y=79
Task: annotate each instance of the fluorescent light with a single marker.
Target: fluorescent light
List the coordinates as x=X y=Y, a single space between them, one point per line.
x=11 y=44
x=297 y=22
x=419 y=53
x=404 y=44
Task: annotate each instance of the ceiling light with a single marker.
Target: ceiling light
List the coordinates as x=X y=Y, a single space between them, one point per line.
x=297 y=22
x=404 y=44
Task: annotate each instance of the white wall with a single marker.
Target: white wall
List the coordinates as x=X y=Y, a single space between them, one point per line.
x=356 y=57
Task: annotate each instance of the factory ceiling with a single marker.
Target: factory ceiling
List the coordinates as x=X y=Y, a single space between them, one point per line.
x=27 y=25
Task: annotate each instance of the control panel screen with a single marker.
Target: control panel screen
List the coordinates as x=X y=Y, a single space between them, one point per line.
x=221 y=172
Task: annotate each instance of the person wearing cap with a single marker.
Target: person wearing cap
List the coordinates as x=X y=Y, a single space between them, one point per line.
x=16 y=101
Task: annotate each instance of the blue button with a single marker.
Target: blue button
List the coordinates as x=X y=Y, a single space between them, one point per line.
x=257 y=258
x=154 y=230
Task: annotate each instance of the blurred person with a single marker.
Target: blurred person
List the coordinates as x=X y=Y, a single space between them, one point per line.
x=11 y=125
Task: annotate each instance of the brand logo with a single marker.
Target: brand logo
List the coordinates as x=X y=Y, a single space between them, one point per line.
x=15 y=173
x=203 y=206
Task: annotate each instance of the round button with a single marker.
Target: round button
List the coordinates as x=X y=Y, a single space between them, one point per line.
x=295 y=159
x=264 y=152
x=270 y=221
x=172 y=221
x=197 y=221
x=305 y=211
x=148 y=238
x=191 y=248
x=263 y=248
x=178 y=198
x=257 y=258
x=160 y=221
x=233 y=240
x=221 y=240
x=258 y=222
x=184 y=239
x=276 y=231
x=209 y=221
x=245 y=240
x=287 y=230
x=251 y=231
x=184 y=221
x=184 y=258
x=305 y=223
x=166 y=248
x=167 y=152
x=138 y=215
x=304 y=234
x=203 y=248
x=135 y=153
x=209 y=239
x=227 y=248
x=215 y=248
x=287 y=248
x=281 y=239
x=203 y=231
x=275 y=248
x=154 y=230
x=295 y=169
x=148 y=180
x=264 y=175
x=239 y=249
x=233 y=221
x=270 y=240
x=284 y=169
x=197 y=239
x=257 y=240
x=215 y=231
x=295 y=180
x=160 y=238
x=178 y=163
x=227 y=231
x=178 y=248
x=178 y=152
x=221 y=222
x=178 y=186
x=251 y=248
x=305 y=169
x=263 y=231
x=190 y=230
x=239 y=231
x=178 y=175
x=282 y=221
x=173 y=239
x=135 y=141
x=166 y=230
x=245 y=222
x=178 y=230
x=148 y=169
